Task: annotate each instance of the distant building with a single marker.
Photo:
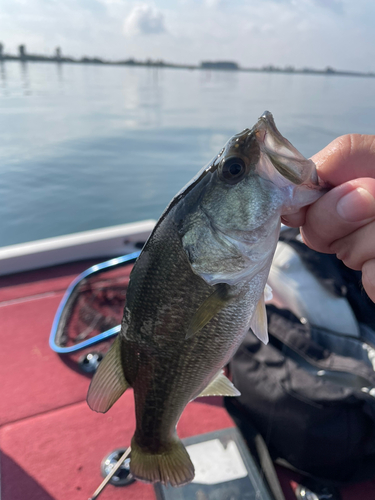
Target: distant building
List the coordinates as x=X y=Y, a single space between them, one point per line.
x=58 y=53
x=22 y=52
x=93 y=60
x=219 y=65
x=1 y=50
x=271 y=68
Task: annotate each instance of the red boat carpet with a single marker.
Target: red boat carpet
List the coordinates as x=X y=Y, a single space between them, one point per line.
x=52 y=444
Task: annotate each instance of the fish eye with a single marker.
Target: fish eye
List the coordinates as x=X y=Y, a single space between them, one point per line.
x=233 y=170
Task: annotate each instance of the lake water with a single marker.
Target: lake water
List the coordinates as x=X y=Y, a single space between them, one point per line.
x=85 y=147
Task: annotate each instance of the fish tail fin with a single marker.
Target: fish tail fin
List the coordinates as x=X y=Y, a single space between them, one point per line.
x=109 y=382
x=172 y=466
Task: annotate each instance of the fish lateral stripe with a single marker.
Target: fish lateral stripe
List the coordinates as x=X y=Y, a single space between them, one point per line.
x=109 y=382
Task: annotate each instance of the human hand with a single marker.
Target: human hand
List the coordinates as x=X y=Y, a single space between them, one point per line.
x=342 y=221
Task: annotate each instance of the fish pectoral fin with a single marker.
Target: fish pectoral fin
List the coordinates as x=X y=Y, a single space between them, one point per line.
x=220 y=386
x=258 y=322
x=210 y=307
x=109 y=382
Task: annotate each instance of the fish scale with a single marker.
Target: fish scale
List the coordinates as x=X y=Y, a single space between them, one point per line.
x=179 y=368
x=196 y=289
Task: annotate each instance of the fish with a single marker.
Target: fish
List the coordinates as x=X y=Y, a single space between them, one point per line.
x=195 y=290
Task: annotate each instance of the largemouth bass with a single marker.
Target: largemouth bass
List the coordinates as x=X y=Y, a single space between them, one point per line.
x=197 y=288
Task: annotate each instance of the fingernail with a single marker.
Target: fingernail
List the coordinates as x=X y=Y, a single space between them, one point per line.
x=356 y=206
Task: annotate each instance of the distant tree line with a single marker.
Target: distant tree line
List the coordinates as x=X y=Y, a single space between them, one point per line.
x=23 y=56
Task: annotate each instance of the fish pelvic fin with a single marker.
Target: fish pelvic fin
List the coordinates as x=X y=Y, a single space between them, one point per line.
x=220 y=386
x=109 y=382
x=259 y=320
x=210 y=307
x=172 y=466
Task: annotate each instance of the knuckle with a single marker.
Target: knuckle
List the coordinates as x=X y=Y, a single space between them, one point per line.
x=349 y=144
x=314 y=240
x=347 y=254
x=352 y=264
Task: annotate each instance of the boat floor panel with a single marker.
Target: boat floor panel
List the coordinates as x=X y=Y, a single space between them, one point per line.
x=61 y=451
x=34 y=378
x=32 y=283
x=52 y=444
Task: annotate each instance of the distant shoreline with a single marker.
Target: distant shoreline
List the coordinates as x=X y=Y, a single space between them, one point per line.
x=207 y=66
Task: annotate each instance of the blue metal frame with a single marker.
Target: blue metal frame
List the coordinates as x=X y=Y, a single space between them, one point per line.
x=98 y=338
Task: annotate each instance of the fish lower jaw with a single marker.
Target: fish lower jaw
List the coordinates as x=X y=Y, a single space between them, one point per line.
x=172 y=466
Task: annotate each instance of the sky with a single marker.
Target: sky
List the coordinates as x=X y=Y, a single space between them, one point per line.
x=253 y=33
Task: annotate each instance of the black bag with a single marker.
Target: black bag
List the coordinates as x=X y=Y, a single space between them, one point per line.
x=313 y=407
x=311 y=392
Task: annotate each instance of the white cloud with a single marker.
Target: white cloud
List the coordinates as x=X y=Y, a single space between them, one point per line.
x=144 y=20
x=311 y=33
x=336 y=6
x=214 y=3
x=112 y=2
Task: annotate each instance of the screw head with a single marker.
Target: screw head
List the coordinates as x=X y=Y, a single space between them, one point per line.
x=123 y=476
x=89 y=362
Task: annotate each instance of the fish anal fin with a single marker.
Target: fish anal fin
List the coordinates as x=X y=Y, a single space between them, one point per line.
x=210 y=307
x=108 y=383
x=259 y=321
x=220 y=386
x=172 y=465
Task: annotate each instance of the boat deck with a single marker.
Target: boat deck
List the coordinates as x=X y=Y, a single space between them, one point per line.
x=52 y=444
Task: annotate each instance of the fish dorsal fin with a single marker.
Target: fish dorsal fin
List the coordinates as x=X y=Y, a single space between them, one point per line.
x=210 y=307
x=220 y=386
x=108 y=383
x=259 y=321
